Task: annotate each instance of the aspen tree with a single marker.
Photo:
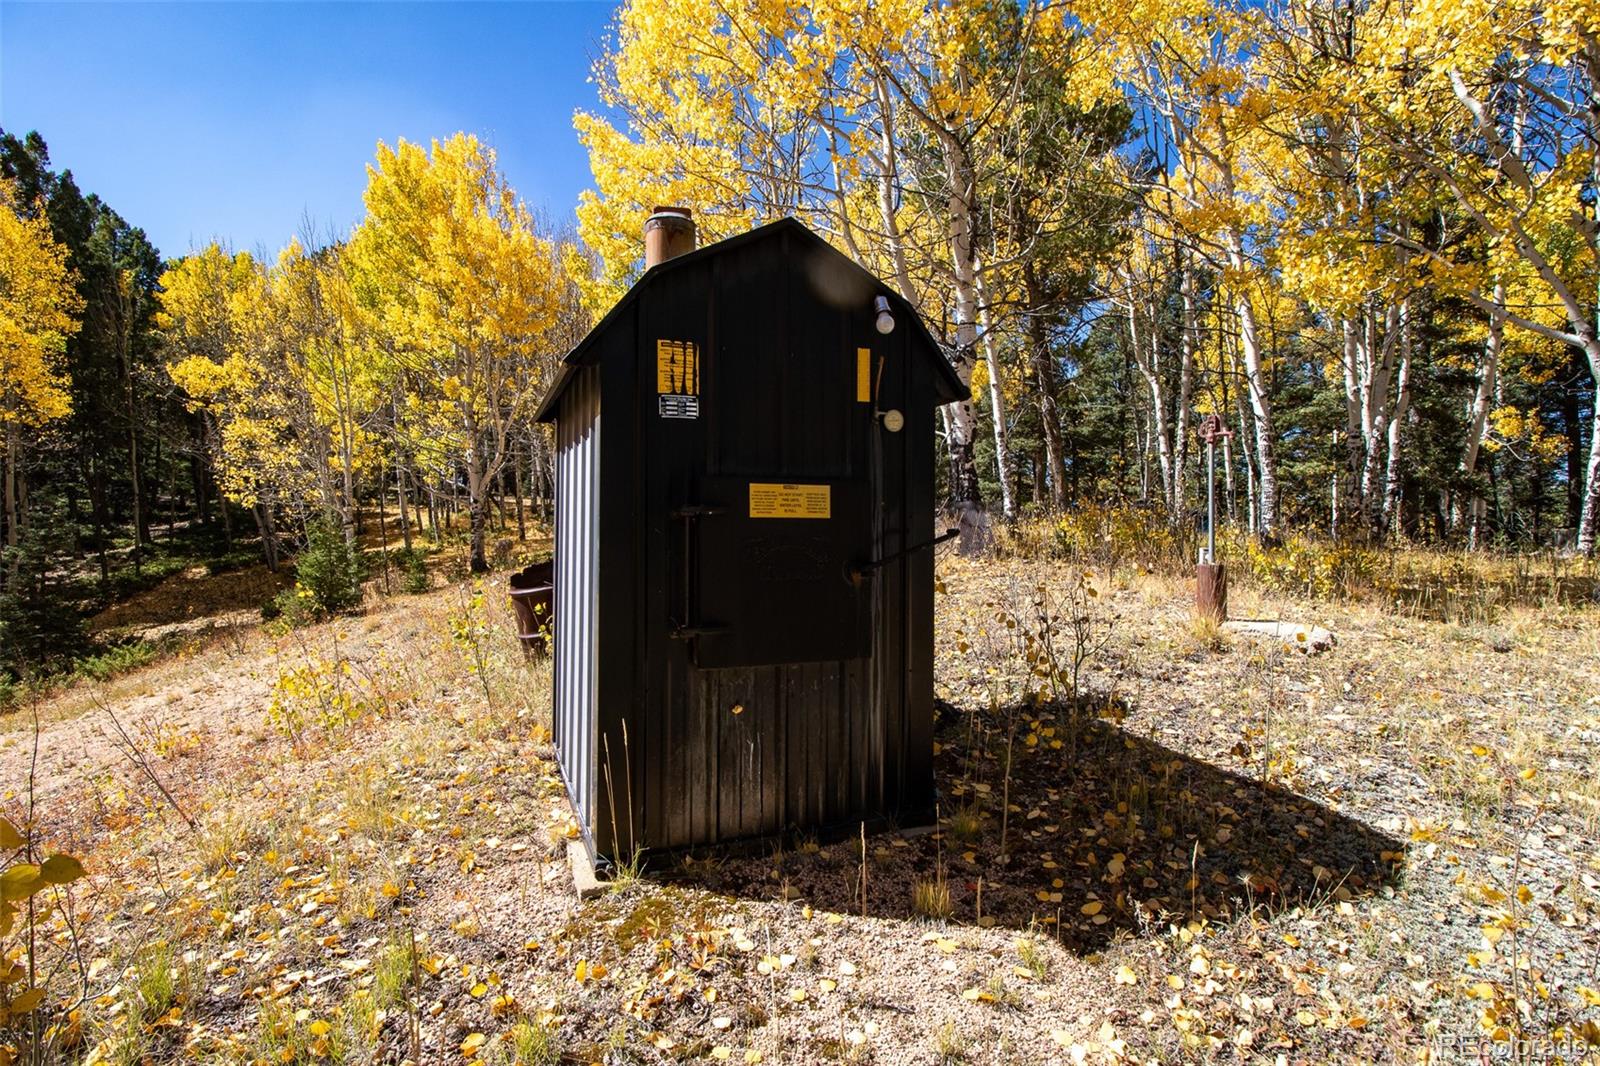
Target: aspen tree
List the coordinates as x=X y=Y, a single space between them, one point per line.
x=1189 y=62
x=448 y=262
x=219 y=328
x=1493 y=105
x=38 y=308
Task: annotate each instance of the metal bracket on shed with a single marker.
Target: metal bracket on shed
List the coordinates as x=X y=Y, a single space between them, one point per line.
x=690 y=632
x=691 y=513
x=859 y=573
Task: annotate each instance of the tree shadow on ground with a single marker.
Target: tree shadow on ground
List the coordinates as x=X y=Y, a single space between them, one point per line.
x=193 y=595
x=1106 y=832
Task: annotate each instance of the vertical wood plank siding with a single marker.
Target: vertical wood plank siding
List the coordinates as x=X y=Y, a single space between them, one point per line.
x=814 y=746
x=577 y=582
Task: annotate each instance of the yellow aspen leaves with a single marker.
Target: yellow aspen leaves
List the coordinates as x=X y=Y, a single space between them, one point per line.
x=38 y=305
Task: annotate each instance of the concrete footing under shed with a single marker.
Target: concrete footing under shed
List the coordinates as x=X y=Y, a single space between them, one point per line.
x=587 y=883
x=584 y=880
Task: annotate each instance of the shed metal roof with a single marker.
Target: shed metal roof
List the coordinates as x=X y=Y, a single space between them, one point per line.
x=948 y=387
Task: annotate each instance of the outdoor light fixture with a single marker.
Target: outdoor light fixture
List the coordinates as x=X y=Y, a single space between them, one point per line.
x=885 y=319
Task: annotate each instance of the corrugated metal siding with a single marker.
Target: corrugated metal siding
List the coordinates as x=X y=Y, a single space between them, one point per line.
x=577 y=581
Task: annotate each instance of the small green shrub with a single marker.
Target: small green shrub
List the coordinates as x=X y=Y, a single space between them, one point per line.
x=292 y=607
x=393 y=973
x=966 y=822
x=157 y=980
x=118 y=659
x=1033 y=956
x=413 y=565
x=327 y=575
x=322 y=693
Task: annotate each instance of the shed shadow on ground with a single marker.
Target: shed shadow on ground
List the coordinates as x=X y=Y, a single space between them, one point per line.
x=1108 y=833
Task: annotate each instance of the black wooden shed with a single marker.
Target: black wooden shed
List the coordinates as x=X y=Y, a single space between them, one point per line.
x=743 y=570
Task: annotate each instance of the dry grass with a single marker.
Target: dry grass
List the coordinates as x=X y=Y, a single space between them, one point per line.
x=930 y=897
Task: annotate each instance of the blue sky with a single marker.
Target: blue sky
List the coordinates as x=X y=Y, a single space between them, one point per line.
x=236 y=120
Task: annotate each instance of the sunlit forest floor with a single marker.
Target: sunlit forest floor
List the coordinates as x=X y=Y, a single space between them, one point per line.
x=346 y=843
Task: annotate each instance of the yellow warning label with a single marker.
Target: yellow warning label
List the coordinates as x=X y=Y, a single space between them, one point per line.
x=677 y=368
x=790 y=501
x=863 y=375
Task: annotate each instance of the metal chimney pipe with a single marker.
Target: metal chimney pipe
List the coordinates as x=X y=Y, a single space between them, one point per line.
x=668 y=233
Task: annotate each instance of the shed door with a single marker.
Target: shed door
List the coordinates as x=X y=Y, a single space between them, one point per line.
x=774 y=562
x=786 y=468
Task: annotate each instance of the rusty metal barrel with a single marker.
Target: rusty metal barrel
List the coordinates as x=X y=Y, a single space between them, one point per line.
x=533 y=602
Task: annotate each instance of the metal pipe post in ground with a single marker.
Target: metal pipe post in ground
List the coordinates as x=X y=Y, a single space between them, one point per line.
x=1211 y=502
x=1210 y=579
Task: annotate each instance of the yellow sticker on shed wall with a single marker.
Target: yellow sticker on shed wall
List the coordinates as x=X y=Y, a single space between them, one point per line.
x=863 y=375
x=677 y=368
x=790 y=501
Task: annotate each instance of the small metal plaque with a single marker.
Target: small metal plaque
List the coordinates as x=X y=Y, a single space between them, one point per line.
x=677 y=406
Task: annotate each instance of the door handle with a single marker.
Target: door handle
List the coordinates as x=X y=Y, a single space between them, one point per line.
x=862 y=572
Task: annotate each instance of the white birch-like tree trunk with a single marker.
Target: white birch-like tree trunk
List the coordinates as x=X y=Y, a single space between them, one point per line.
x=1187 y=353
x=1004 y=469
x=1147 y=357
x=1395 y=470
x=1266 y=521
x=966 y=494
x=1478 y=420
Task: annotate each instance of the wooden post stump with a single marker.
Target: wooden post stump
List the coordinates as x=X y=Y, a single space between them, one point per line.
x=1211 y=591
